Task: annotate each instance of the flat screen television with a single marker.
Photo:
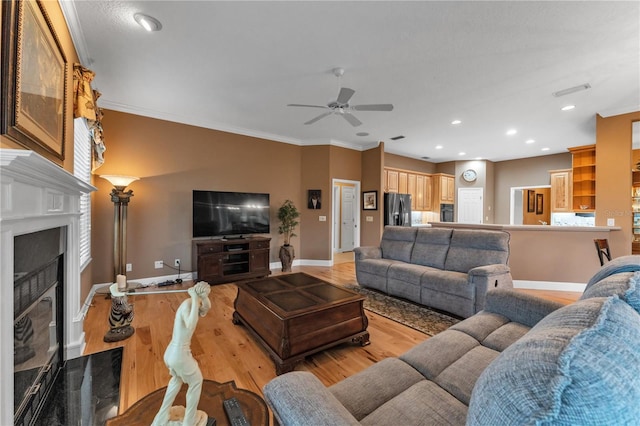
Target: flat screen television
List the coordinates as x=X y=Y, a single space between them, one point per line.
x=221 y=214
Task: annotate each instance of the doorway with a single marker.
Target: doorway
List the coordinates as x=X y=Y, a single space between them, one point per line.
x=518 y=201
x=346 y=217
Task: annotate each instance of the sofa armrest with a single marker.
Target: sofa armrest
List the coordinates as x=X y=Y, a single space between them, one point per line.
x=367 y=252
x=520 y=307
x=487 y=278
x=299 y=398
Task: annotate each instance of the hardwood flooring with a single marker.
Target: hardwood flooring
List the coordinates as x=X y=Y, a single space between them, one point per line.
x=228 y=352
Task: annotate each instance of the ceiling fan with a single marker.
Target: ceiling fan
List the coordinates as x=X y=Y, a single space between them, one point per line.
x=341 y=105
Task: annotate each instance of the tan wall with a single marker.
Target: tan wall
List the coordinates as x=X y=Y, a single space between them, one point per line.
x=524 y=172
x=613 y=177
x=533 y=218
x=172 y=160
x=315 y=175
x=372 y=166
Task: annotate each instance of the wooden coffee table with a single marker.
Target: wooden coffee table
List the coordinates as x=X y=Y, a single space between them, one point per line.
x=213 y=393
x=297 y=315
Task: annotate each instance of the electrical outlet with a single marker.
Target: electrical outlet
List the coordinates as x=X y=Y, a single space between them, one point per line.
x=158 y=264
x=176 y=262
x=129 y=267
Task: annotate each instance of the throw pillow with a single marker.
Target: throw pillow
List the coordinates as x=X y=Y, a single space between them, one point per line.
x=579 y=365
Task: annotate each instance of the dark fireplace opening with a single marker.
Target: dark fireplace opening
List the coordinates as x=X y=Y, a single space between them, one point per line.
x=38 y=319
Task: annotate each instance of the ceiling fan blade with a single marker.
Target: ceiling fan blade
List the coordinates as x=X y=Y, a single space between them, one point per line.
x=344 y=95
x=307 y=106
x=313 y=120
x=373 y=107
x=352 y=120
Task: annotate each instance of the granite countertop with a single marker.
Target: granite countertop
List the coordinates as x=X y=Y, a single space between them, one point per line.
x=554 y=228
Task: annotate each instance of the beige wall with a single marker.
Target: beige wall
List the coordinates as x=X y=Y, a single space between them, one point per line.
x=406 y=163
x=524 y=172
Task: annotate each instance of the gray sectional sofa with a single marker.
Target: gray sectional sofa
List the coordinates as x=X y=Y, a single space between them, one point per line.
x=521 y=361
x=447 y=269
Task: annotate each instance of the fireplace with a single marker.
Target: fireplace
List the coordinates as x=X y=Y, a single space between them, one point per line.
x=40 y=274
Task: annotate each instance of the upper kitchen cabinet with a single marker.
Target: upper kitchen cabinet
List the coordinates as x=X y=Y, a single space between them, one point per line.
x=561 y=185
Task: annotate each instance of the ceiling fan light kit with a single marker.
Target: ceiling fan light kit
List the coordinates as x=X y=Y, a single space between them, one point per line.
x=341 y=105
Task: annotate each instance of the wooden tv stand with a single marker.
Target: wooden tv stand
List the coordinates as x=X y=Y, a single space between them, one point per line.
x=223 y=261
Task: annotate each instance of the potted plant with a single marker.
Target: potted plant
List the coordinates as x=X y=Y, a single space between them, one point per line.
x=288 y=215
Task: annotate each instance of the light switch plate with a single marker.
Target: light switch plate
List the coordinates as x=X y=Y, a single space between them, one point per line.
x=369 y=219
x=322 y=218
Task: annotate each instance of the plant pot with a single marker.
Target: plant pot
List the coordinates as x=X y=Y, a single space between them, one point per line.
x=287 y=254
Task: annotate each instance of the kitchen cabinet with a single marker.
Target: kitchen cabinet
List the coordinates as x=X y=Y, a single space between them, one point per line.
x=561 y=185
x=444 y=189
x=392 y=180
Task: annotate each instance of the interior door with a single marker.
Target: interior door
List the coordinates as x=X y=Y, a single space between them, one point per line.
x=348 y=220
x=470 y=205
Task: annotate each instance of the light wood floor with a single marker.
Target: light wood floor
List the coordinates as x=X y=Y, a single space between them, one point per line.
x=227 y=352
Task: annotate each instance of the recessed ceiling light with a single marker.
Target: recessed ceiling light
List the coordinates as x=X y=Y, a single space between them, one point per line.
x=439 y=146
x=570 y=90
x=147 y=22
x=362 y=134
x=545 y=149
x=511 y=132
x=478 y=158
x=568 y=107
x=456 y=122
x=529 y=141
x=462 y=153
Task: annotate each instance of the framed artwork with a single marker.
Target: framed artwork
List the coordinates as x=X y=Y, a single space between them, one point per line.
x=539 y=203
x=531 y=201
x=370 y=200
x=315 y=199
x=35 y=81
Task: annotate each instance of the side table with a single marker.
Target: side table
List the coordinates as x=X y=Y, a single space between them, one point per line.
x=213 y=393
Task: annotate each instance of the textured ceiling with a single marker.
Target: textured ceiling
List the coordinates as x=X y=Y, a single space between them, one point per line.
x=235 y=66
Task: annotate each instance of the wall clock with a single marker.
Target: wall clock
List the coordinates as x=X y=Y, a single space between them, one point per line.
x=469 y=175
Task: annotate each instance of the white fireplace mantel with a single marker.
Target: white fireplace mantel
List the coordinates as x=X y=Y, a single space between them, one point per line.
x=35 y=195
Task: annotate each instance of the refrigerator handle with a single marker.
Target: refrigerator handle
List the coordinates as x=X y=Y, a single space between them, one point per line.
x=401 y=215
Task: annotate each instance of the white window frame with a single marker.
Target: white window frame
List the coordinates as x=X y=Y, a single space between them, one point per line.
x=82 y=155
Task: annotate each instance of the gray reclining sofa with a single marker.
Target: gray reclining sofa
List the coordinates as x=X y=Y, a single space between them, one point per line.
x=521 y=361
x=447 y=269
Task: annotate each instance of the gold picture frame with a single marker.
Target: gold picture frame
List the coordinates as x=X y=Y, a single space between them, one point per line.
x=34 y=79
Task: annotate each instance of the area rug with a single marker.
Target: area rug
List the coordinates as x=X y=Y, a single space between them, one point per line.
x=407 y=313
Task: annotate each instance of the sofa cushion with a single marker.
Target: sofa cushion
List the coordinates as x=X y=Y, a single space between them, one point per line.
x=630 y=263
x=431 y=247
x=578 y=365
x=403 y=280
x=449 y=282
x=424 y=403
x=364 y=392
x=625 y=285
x=397 y=242
x=470 y=248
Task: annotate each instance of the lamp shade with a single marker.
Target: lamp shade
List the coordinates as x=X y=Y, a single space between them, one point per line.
x=119 y=181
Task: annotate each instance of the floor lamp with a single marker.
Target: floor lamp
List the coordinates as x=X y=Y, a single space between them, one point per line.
x=121 y=313
x=120 y=199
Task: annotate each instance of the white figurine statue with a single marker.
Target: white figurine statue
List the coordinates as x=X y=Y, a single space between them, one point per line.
x=182 y=366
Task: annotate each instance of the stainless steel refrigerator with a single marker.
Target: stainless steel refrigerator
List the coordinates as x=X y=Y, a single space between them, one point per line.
x=397 y=209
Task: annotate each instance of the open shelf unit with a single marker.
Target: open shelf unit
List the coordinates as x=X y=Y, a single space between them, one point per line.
x=584 y=178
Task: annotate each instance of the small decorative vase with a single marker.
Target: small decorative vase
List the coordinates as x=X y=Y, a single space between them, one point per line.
x=287 y=254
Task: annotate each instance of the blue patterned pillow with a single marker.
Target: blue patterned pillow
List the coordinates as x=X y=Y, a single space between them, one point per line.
x=579 y=365
x=625 y=285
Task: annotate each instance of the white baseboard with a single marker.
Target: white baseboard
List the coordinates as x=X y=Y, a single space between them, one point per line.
x=549 y=285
